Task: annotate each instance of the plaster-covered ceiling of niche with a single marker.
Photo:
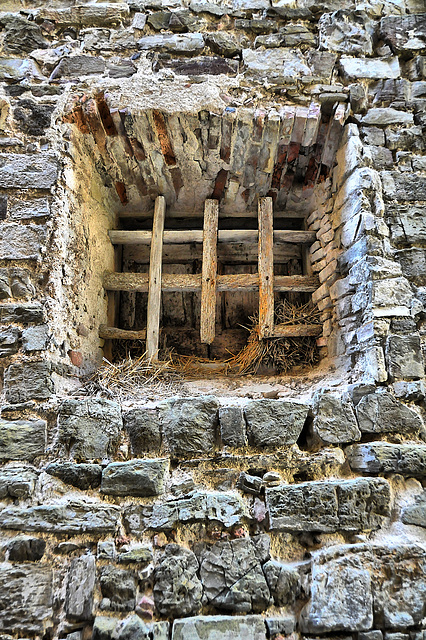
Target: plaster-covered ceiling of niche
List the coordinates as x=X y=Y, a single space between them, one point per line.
x=235 y=156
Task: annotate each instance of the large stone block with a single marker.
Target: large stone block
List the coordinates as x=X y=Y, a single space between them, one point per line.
x=177 y=589
x=357 y=586
x=206 y=65
x=17 y=482
x=413 y=264
x=29 y=171
x=404 y=33
x=384 y=457
x=10 y=340
x=219 y=628
x=226 y=508
x=23 y=313
x=67 y=516
x=27 y=209
x=369 y=68
x=283 y=581
x=21 y=35
x=118 y=588
x=329 y=505
x=98 y=15
x=277 y=66
x=404 y=356
x=385 y=116
x=273 y=423
x=21 y=242
x=28 y=381
x=335 y=420
x=232 y=426
x=382 y=413
x=16 y=69
x=183 y=43
x=144 y=429
x=232 y=576
x=404 y=187
x=139 y=477
x=346 y=32
x=22 y=439
x=407 y=223
x=26 y=599
x=25 y=549
x=83 y=476
x=76 y=66
x=80 y=586
x=189 y=425
x=89 y=428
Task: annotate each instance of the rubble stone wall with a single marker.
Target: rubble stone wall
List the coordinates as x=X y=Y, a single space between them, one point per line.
x=212 y=517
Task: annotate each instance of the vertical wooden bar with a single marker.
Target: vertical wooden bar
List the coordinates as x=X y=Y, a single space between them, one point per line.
x=209 y=272
x=154 y=284
x=266 y=267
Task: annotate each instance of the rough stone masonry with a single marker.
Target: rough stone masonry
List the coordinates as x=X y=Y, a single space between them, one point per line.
x=213 y=516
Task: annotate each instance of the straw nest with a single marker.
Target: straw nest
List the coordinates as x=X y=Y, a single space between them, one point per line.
x=125 y=377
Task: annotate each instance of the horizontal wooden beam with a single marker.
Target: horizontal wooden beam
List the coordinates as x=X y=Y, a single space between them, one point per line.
x=228 y=235
x=112 y=333
x=188 y=283
x=296 y=330
x=171 y=213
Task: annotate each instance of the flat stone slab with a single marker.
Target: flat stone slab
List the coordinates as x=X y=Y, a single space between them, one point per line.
x=219 y=628
x=21 y=242
x=383 y=457
x=26 y=598
x=335 y=421
x=225 y=508
x=277 y=66
x=382 y=413
x=329 y=505
x=22 y=439
x=139 y=477
x=72 y=516
x=374 y=69
x=273 y=423
x=416 y=513
x=189 y=425
x=17 y=482
x=29 y=171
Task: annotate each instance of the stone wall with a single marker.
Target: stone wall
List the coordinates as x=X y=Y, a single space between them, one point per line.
x=300 y=515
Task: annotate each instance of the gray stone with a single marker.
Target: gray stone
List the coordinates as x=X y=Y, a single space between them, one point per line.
x=249 y=484
x=78 y=66
x=335 y=421
x=273 y=423
x=27 y=209
x=20 y=283
x=28 y=381
x=26 y=598
x=80 y=586
x=189 y=425
x=28 y=171
x=176 y=21
x=280 y=625
x=89 y=428
x=329 y=505
x=232 y=426
x=385 y=116
x=224 y=44
x=160 y=630
x=225 y=508
x=67 y=516
x=22 y=439
x=341 y=598
x=118 y=588
x=177 y=589
x=17 y=482
x=404 y=186
x=406 y=139
x=106 y=550
x=382 y=413
x=413 y=264
x=83 y=476
x=206 y=65
x=322 y=64
x=21 y=35
x=136 y=555
x=121 y=69
x=416 y=513
x=133 y=628
x=5 y=291
x=384 y=457
x=370 y=635
x=21 y=242
x=219 y=628
x=25 y=549
x=183 y=43
x=369 y=68
x=404 y=33
x=232 y=576
x=101 y=14
x=10 y=340
x=35 y=338
x=346 y=32
x=33 y=118
x=410 y=391
x=144 y=429
x=16 y=69
x=103 y=628
x=139 y=477
x=283 y=582
x=277 y=66
x=407 y=223
x=23 y=313
x=404 y=356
